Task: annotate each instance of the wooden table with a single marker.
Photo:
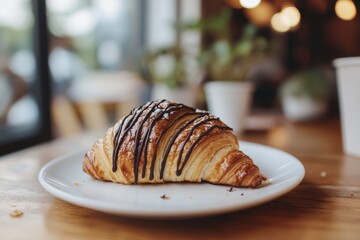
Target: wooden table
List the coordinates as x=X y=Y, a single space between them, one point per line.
x=326 y=205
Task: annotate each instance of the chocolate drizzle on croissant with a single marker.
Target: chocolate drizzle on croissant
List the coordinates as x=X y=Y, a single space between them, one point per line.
x=139 y=149
x=163 y=141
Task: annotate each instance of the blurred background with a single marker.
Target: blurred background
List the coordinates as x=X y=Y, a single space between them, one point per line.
x=71 y=66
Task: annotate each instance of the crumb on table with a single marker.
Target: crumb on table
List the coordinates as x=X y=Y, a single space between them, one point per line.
x=323 y=174
x=16 y=213
x=76 y=183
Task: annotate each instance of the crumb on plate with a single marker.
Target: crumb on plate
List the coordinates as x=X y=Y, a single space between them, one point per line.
x=164 y=196
x=16 y=213
x=231 y=189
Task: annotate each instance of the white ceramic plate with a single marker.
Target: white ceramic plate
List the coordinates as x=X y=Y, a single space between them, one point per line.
x=65 y=179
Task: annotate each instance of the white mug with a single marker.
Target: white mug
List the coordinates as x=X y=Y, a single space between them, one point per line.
x=348 y=81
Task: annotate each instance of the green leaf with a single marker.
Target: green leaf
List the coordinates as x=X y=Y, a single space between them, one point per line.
x=249 y=31
x=217 y=24
x=243 y=48
x=222 y=51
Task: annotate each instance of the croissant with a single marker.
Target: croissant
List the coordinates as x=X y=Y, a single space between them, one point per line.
x=163 y=141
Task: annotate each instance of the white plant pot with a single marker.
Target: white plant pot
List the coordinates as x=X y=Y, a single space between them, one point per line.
x=302 y=108
x=230 y=101
x=185 y=95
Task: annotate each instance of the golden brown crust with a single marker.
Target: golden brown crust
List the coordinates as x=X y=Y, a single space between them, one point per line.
x=166 y=142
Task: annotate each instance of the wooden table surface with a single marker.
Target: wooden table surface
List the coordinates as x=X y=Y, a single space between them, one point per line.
x=326 y=205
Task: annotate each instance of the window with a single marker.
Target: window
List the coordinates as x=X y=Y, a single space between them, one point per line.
x=24 y=82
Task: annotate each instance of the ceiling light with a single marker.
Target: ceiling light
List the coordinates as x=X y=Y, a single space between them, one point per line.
x=280 y=23
x=250 y=3
x=345 y=9
x=293 y=14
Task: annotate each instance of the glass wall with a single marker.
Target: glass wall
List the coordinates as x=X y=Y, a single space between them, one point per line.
x=24 y=111
x=93 y=35
x=88 y=55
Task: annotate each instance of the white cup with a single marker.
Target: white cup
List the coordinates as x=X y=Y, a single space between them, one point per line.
x=348 y=81
x=230 y=101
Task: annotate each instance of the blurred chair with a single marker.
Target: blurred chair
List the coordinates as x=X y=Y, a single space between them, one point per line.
x=12 y=89
x=97 y=101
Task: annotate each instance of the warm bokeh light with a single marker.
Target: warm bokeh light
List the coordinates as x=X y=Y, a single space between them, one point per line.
x=287 y=19
x=261 y=15
x=280 y=23
x=293 y=14
x=250 y=3
x=345 y=9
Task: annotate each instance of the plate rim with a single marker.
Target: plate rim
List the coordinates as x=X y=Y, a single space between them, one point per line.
x=114 y=209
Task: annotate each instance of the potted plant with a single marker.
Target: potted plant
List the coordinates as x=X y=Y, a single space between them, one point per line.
x=166 y=69
x=227 y=62
x=304 y=96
